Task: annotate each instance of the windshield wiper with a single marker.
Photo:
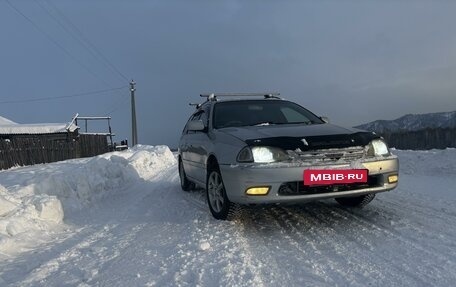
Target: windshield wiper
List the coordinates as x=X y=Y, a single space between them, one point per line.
x=281 y=123
x=306 y=122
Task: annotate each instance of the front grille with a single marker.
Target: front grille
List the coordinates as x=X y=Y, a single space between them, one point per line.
x=298 y=187
x=328 y=155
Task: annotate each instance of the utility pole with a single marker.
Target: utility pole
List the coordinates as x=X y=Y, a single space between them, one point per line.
x=134 y=131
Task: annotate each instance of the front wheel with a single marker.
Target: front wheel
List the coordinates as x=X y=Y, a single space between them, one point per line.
x=219 y=204
x=358 y=201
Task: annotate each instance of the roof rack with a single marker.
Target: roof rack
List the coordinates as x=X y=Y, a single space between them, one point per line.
x=197 y=106
x=213 y=96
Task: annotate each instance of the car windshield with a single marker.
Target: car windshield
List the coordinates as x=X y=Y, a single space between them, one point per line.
x=261 y=113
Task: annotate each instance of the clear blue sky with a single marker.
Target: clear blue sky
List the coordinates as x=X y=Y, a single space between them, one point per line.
x=354 y=61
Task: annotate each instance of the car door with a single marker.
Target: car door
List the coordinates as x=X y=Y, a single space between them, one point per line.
x=199 y=144
x=186 y=148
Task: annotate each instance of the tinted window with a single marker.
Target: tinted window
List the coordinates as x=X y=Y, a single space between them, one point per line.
x=250 y=113
x=196 y=116
x=205 y=116
x=292 y=115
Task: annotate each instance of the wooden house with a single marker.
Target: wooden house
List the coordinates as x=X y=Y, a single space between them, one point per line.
x=26 y=144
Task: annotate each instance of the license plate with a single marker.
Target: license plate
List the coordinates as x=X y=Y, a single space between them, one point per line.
x=334 y=176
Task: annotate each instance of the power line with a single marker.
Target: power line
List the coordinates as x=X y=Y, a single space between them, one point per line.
x=49 y=37
x=86 y=40
x=72 y=30
x=123 y=99
x=62 y=97
x=81 y=39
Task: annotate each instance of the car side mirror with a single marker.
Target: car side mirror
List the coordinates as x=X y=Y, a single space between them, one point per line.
x=196 y=125
x=325 y=119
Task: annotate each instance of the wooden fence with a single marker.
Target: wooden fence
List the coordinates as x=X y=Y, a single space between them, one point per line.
x=41 y=149
x=92 y=145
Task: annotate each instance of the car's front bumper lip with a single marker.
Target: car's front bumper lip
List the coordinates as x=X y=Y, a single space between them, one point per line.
x=238 y=178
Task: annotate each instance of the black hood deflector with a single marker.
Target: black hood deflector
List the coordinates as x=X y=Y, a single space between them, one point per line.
x=315 y=142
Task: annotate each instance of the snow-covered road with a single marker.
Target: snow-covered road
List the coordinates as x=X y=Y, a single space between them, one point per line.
x=150 y=233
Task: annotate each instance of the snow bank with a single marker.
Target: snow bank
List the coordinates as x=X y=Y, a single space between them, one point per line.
x=148 y=160
x=427 y=162
x=35 y=198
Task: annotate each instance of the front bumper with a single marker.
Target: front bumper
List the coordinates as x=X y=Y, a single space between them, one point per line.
x=239 y=178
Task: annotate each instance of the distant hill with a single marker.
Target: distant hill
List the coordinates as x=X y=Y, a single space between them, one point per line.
x=417 y=132
x=412 y=122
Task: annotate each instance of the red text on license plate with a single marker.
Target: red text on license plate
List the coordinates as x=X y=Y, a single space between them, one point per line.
x=334 y=176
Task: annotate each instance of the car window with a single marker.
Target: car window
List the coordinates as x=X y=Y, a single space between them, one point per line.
x=200 y=115
x=192 y=117
x=293 y=116
x=205 y=117
x=196 y=116
x=250 y=113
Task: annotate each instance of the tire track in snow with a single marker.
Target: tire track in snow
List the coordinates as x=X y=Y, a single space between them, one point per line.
x=196 y=199
x=329 y=261
x=400 y=262
x=316 y=226
x=86 y=262
x=317 y=244
x=359 y=240
x=97 y=248
x=420 y=225
x=347 y=250
x=437 y=255
x=426 y=217
x=359 y=244
x=268 y=235
x=74 y=254
x=227 y=244
x=403 y=203
x=407 y=240
x=353 y=249
x=236 y=237
x=249 y=259
x=167 y=255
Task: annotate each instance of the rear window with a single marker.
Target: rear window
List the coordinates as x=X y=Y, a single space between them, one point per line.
x=265 y=112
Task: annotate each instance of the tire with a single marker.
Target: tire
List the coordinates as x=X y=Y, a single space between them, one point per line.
x=220 y=206
x=358 y=201
x=186 y=184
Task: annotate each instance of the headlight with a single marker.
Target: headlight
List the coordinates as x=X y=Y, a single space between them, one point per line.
x=262 y=154
x=377 y=148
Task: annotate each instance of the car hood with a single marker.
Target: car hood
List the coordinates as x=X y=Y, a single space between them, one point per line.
x=304 y=137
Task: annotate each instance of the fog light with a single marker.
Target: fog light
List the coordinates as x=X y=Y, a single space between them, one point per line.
x=393 y=178
x=258 y=190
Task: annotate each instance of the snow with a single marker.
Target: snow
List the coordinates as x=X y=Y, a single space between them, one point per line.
x=5 y=121
x=33 y=199
x=46 y=128
x=120 y=219
x=9 y=127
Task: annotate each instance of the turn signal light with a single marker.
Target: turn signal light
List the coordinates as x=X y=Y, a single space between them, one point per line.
x=258 y=190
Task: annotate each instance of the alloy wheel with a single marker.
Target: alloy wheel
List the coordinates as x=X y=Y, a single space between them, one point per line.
x=215 y=192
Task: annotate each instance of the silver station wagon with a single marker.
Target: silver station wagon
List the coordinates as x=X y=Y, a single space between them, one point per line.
x=248 y=149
